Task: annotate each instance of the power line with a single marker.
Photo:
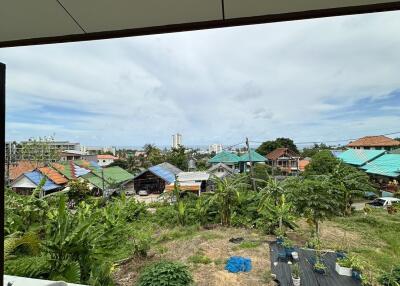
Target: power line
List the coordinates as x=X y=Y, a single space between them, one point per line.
x=330 y=141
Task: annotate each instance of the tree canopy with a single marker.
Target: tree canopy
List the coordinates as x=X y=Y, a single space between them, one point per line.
x=269 y=146
x=322 y=163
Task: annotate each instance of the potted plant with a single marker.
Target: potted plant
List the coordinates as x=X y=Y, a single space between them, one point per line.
x=296 y=274
x=343 y=266
x=280 y=236
x=357 y=268
x=319 y=267
x=288 y=246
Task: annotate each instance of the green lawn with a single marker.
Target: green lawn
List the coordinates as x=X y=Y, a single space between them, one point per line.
x=380 y=237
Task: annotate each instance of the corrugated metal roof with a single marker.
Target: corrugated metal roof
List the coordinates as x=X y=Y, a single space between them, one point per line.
x=386 y=165
x=36 y=177
x=359 y=157
x=96 y=181
x=114 y=174
x=166 y=174
x=255 y=157
x=225 y=157
x=53 y=175
x=193 y=176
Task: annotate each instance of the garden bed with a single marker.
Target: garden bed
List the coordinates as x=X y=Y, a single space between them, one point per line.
x=205 y=252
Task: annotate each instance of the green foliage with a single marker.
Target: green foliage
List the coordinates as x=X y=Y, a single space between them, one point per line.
x=391 y=278
x=314 y=198
x=23 y=213
x=249 y=244
x=166 y=273
x=350 y=182
x=40 y=150
x=29 y=242
x=226 y=196
x=78 y=190
x=269 y=146
x=295 y=268
x=153 y=157
x=322 y=163
x=344 y=262
x=178 y=157
x=311 y=151
x=199 y=258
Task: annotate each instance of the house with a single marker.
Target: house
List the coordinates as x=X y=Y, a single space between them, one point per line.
x=155 y=178
x=386 y=165
x=284 y=159
x=359 y=157
x=101 y=179
x=375 y=143
x=303 y=163
x=53 y=175
x=250 y=158
x=68 y=155
x=28 y=181
x=71 y=170
x=190 y=181
x=16 y=170
x=105 y=160
x=227 y=158
x=220 y=170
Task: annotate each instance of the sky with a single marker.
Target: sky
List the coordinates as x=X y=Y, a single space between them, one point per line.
x=311 y=80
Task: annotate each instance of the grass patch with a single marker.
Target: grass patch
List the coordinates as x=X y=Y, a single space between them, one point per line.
x=219 y=261
x=380 y=245
x=199 y=258
x=210 y=235
x=247 y=245
x=178 y=233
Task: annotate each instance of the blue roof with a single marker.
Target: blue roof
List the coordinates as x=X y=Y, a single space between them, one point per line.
x=36 y=177
x=359 y=157
x=165 y=171
x=386 y=165
x=79 y=171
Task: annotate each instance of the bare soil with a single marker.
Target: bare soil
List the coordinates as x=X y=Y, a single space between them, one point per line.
x=215 y=245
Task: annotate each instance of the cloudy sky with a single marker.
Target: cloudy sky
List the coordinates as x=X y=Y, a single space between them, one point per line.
x=314 y=80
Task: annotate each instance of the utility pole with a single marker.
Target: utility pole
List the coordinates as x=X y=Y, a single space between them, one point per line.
x=251 y=166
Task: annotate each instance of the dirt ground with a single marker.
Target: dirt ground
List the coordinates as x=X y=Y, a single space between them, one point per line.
x=215 y=245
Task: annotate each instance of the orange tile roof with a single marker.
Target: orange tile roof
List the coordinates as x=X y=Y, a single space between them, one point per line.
x=106 y=157
x=20 y=168
x=374 y=141
x=279 y=152
x=53 y=175
x=302 y=164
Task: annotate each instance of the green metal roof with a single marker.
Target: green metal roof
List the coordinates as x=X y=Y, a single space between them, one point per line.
x=114 y=174
x=225 y=157
x=386 y=165
x=96 y=181
x=359 y=157
x=255 y=157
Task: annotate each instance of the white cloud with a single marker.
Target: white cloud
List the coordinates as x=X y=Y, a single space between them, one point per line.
x=218 y=85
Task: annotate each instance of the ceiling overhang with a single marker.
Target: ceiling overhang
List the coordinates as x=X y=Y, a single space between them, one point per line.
x=27 y=22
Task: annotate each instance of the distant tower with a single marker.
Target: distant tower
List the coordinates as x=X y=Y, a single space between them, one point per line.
x=216 y=148
x=191 y=165
x=176 y=140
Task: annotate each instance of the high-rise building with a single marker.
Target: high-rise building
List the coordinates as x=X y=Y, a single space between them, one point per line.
x=216 y=148
x=176 y=140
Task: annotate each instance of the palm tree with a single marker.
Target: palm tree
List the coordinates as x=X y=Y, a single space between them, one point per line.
x=226 y=195
x=350 y=182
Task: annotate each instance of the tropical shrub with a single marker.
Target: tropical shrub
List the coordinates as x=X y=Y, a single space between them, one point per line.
x=391 y=278
x=165 y=273
x=225 y=196
x=23 y=213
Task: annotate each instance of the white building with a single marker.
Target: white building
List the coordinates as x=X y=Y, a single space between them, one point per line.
x=105 y=160
x=215 y=148
x=176 y=140
x=92 y=150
